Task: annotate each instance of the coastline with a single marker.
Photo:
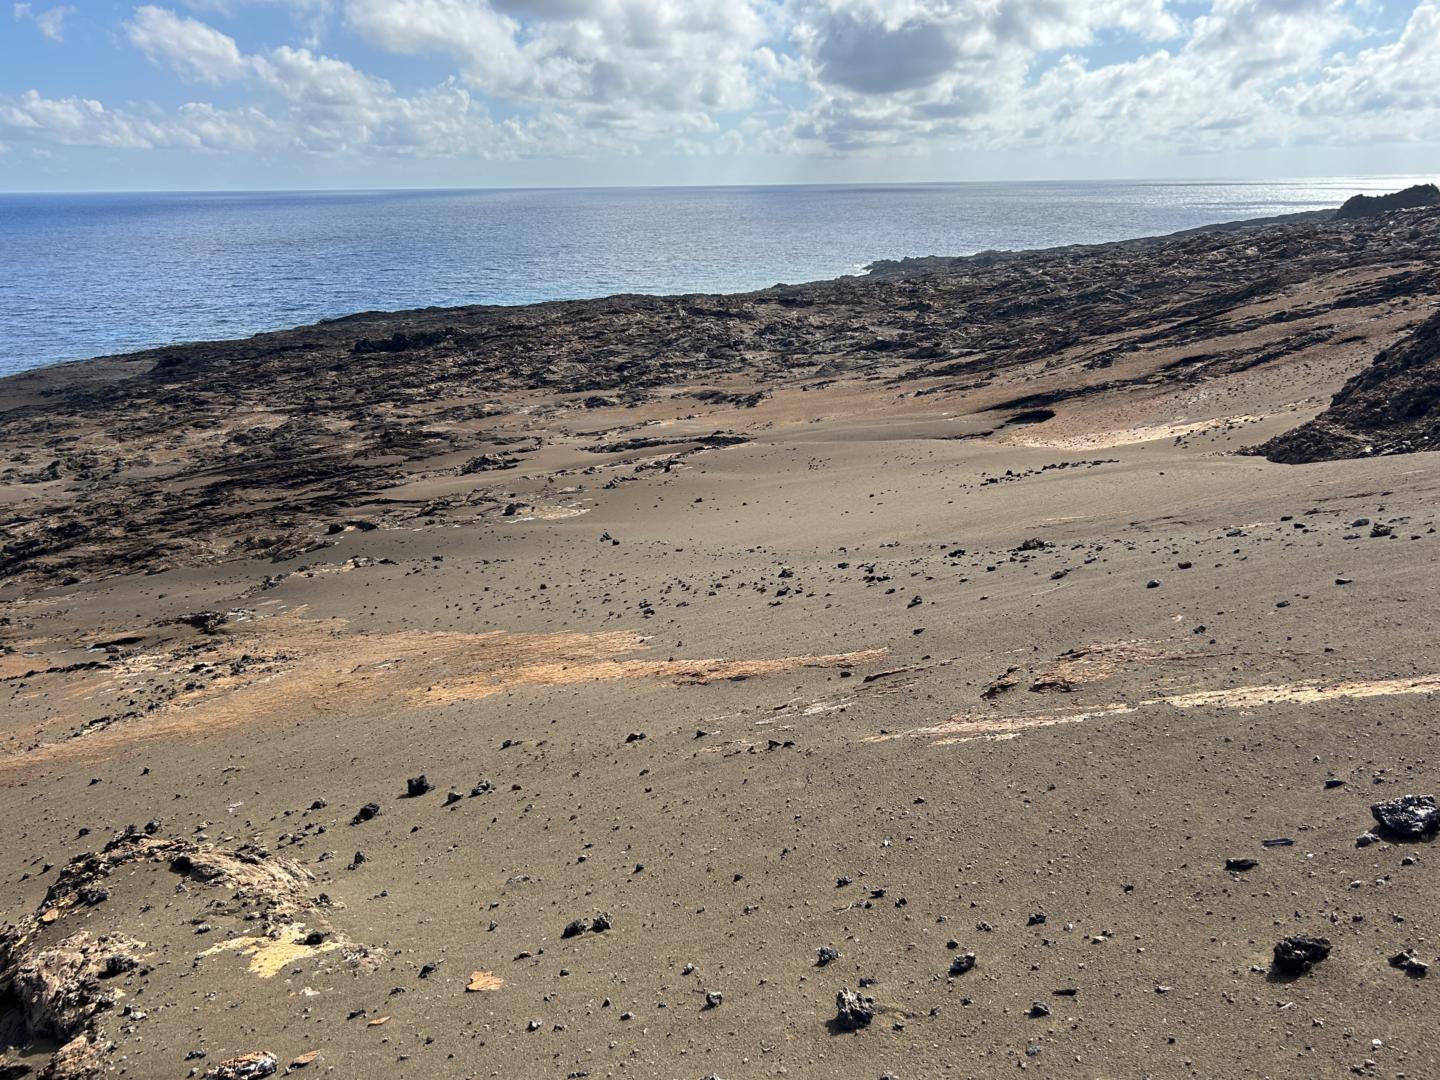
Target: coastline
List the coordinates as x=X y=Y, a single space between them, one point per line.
x=874 y=269
x=538 y=691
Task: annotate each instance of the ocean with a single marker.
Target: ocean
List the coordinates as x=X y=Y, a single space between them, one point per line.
x=95 y=274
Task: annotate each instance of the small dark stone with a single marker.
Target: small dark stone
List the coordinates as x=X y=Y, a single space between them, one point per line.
x=601 y=923
x=1297 y=955
x=1037 y=918
x=853 y=1011
x=1241 y=864
x=959 y=965
x=826 y=954
x=1409 y=963
x=417 y=786
x=118 y=964
x=575 y=928
x=634 y=736
x=1037 y=1010
x=1333 y=782
x=365 y=813
x=714 y=999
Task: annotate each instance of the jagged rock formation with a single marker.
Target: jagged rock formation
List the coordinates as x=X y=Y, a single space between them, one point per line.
x=1360 y=206
x=1392 y=407
x=62 y=990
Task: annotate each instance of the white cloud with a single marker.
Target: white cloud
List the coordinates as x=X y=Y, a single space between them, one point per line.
x=651 y=57
x=888 y=73
x=50 y=22
x=195 y=51
x=563 y=78
x=77 y=121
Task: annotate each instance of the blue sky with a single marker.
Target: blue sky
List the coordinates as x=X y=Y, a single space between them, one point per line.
x=192 y=94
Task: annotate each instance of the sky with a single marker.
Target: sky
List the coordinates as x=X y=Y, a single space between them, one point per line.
x=243 y=94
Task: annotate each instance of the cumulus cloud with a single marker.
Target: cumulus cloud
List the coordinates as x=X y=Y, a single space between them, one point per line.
x=883 y=73
x=647 y=58
x=77 y=121
x=789 y=77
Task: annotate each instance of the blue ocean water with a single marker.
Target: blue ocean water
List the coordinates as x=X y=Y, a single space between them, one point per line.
x=87 y=275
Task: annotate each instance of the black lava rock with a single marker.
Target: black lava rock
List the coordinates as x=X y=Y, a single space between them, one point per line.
x=1297 y=955
x=1409 y=817
x=853 y=1010
x=1409 y=963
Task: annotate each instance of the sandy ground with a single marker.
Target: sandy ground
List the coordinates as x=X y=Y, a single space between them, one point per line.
x=812 y=690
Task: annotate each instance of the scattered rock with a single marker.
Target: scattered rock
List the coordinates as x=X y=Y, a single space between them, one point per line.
x=1409 y=963
x=853 y=1010
x=245 y=1067
x=1409 y=817
x=488 y=463
x=1297 y=955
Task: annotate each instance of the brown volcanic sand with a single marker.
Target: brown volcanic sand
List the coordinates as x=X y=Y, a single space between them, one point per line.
x=804 y=721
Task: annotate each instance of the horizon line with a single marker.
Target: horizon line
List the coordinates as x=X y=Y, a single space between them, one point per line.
x=1152 y=180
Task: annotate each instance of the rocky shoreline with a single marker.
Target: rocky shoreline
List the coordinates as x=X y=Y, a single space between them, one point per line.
x=1016 y=662
x=336 y=413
